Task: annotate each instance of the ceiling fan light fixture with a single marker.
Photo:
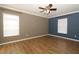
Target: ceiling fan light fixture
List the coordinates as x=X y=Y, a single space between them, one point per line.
x=48 y=8
x=47 y=12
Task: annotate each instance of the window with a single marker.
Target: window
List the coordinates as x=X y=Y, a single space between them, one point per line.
x=10 y=25
x=62 y=25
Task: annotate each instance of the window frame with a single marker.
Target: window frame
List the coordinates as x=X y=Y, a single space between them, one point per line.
x=18 y=32
x=66 y=26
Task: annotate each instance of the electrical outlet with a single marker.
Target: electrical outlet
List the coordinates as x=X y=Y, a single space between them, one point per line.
x=75 y=36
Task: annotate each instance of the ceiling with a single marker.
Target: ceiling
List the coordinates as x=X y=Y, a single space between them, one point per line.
x=62 y=9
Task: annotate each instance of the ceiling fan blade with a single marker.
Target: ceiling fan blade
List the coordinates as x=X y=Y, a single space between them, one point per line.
x=41 y=8
x=53 y=9
x=50 y=5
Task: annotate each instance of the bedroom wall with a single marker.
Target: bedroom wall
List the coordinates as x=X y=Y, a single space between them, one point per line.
x=30 y=26
x=73 y=26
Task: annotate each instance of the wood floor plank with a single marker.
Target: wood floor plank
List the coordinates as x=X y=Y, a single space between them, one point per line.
x=42 y=45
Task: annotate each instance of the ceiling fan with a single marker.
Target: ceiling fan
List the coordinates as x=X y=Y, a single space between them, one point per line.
x=48 y=8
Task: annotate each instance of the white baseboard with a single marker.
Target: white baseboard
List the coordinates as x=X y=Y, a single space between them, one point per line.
x=23 y=39
x=38 y=37
x=64 y=37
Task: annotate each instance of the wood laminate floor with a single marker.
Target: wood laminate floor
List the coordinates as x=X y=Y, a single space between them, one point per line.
x=42 y=45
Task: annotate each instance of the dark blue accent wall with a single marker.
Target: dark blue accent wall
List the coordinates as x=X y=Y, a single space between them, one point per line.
x=73 y=26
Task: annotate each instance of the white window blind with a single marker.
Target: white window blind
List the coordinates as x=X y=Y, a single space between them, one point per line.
x=62 y=25
x=10 y=25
